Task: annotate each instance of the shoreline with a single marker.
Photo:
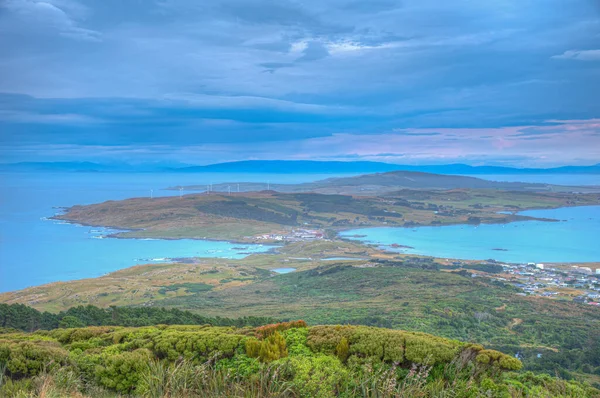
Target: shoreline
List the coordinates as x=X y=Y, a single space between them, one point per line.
x=118 y=235
x=513 y=217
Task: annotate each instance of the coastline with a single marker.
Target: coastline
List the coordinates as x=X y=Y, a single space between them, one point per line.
x=512 y=217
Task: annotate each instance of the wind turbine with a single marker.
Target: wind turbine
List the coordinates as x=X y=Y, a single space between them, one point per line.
x=151 y=193
x=238 y=188
x=180 y=191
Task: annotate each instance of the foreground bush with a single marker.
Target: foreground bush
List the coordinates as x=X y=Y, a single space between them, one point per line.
x=278 y=360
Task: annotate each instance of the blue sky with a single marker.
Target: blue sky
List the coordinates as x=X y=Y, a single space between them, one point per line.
x=407 y=81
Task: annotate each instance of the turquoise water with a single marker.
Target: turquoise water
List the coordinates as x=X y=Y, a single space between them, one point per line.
x=34 y=251
x=283 y=270
x=576 y=239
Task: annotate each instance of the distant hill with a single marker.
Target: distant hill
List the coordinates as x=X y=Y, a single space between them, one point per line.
x=309 y=166
x=384 y=183
x=290 y=167
x=466 y=169
x=293 y=166
x=421 y=180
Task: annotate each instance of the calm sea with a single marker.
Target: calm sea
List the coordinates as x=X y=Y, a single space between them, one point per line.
x=573 y=239
x=34 y=251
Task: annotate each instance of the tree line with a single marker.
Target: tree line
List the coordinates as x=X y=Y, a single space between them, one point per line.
x=22 y=317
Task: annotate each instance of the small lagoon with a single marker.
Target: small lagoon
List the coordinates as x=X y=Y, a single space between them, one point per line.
x=283 y=270
x=574 y=239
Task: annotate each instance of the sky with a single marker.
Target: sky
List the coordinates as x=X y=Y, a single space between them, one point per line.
x=495 y=82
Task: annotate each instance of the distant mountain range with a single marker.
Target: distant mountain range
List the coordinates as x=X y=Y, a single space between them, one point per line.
x=292 y=167
x=309 y=166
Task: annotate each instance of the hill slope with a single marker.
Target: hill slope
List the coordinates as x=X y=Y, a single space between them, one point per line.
x=381 y=183
x=411 y=294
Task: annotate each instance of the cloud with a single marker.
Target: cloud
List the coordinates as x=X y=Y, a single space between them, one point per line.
x=577 y=142
x=246 y=102
x=580 y=55
x=416 y=133
x=273 y=66
x=46 y=14
x=51 y=118
x=313 y=51
x=256 y=74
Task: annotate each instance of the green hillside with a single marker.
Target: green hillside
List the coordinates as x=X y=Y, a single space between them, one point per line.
x=275 y=360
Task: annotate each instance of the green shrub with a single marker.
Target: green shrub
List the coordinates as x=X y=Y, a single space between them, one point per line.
x=384 y=344
x=270 y=349
x=296 y=340
x=325 y=339
x=342 y=350
x=426 y=349
x=122 y=372
x=321 y=361
x=319 y=376
x=29 y=358
x=240 y=365
x=498 y=359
